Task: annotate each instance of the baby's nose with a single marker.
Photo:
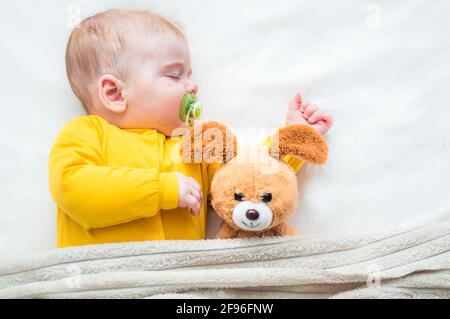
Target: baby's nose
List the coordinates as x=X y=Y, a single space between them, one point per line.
x=192 y=88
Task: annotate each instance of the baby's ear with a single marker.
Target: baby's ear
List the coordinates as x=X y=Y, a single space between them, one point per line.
x=299 y=140
x=209 y=142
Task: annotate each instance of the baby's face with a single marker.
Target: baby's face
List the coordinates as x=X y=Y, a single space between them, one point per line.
x=154 y=93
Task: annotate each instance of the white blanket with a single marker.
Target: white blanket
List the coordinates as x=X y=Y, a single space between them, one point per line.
x=379 y=67
x=411 y=263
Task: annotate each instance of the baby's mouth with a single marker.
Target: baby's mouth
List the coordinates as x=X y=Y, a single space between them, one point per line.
x=190 y=109
x=251 y=224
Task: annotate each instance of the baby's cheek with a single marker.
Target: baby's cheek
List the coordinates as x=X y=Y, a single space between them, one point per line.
x=173 y=100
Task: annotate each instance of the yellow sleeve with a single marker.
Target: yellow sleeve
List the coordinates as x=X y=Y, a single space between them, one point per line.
x=293 y=161
x=99 y=196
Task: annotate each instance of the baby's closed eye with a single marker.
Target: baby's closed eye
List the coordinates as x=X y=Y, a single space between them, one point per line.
x=176 y=70
x=176 y=77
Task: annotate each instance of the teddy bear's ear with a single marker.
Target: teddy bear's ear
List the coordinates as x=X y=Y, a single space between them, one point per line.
x=209 y=142
x=299 y=140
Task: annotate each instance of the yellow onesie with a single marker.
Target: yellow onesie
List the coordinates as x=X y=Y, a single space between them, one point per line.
x=117 y=185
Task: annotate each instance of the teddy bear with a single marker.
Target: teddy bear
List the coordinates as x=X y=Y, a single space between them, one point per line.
x=254 y=198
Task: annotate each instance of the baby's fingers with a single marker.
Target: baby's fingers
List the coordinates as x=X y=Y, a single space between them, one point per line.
x=295 y=102
x=327 y=119
x=194 y=184
x=198 y=195
x=304 y=105
x=194 y=204
x=319 y=116
x=195 y=188
x=309 y=111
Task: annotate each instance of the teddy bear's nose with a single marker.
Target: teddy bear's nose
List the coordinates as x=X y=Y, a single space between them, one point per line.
x=252 y=214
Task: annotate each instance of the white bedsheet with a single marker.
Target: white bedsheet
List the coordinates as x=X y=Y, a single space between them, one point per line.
x=380 y=68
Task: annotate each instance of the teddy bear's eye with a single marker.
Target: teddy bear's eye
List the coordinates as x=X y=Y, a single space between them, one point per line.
x=238 y=196
x=267 y=197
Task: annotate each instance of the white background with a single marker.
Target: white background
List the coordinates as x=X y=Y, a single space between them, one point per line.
x=380 y=68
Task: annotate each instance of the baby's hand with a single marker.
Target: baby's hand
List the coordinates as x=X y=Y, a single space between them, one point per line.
x=303 y=112
x=189 y=193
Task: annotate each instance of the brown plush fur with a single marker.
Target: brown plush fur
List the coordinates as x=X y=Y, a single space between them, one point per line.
x=282 y=229
x=299 y=140
x=209 y=142
x=252 y=180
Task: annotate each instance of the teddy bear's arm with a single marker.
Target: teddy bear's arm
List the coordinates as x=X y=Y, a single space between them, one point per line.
x=226 y=232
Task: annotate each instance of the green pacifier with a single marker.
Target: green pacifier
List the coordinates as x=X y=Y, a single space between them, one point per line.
x=190 y=109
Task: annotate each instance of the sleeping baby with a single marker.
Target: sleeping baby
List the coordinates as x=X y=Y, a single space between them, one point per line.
x=111 y=172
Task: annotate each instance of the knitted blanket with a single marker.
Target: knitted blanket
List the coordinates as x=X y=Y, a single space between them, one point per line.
x=411 y=263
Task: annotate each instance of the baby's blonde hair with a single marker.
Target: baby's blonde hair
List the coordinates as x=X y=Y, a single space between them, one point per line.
x=99 y=45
